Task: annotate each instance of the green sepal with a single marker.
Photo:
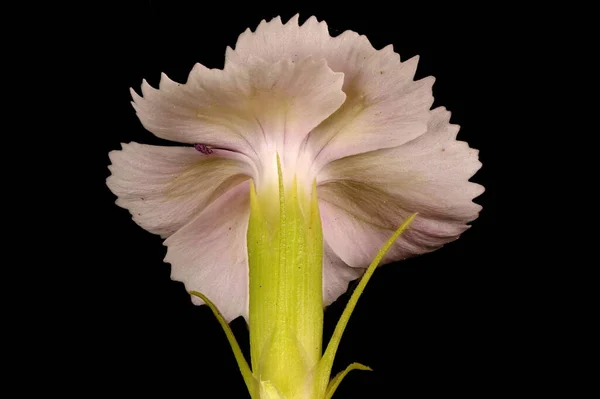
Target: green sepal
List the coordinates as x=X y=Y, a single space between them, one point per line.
x=285 y=256
x=268 y=391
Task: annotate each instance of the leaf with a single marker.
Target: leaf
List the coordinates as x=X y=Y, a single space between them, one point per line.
x=326 y=362
x=337 y=380
x=249 y=379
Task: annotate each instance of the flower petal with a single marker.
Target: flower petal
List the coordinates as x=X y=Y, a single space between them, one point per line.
x=274 y=41
x=384 y=106
x=166 y=187
x=195 y=112
x=336 y=276
x=365 y=197
x=255 y=108
x=209 y=254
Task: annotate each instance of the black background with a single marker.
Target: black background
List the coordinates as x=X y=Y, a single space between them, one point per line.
x=439 y=323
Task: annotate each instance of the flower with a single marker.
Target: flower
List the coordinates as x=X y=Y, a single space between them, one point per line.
x=305 y=154
x=335 y=111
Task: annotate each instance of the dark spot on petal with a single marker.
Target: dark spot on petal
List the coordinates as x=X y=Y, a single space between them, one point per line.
x=381 y=72
x=203 y=148
x=443 y=149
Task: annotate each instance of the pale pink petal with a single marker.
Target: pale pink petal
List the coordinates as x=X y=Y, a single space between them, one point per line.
x=257 y=108
x=384 y=107
x=273 y=41
x=336 y=275
x=166 y=187
x=201 y=111
x=209 y=254
x=364 y=198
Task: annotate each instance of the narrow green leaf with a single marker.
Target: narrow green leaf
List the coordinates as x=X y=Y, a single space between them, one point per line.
x=327 y=361
x=337 y=380
x=235 y=347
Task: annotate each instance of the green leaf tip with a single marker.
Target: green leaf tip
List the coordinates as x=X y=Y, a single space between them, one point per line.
x=235 y=347
x=337 y=380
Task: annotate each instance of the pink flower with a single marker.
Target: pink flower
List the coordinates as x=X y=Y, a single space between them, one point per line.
x=335 y=110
